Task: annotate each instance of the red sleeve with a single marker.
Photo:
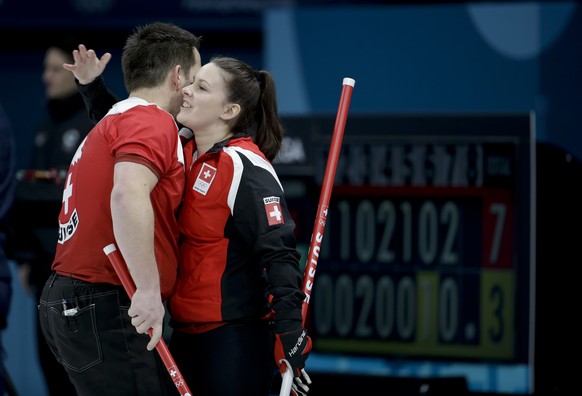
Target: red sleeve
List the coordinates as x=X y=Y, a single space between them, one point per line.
x=146 y=135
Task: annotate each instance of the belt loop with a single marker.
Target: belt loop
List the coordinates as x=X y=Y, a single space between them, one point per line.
x=54 y=277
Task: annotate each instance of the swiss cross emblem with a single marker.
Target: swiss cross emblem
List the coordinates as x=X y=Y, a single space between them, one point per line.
x=273 y=210
x=205 y=178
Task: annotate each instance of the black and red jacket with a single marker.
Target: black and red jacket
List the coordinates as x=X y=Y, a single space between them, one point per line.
x=237 y=242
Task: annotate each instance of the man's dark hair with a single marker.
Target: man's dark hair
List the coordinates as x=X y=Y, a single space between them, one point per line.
x=152 y=50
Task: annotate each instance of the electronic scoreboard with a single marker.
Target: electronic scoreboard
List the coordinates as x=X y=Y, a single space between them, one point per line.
x=428 y=258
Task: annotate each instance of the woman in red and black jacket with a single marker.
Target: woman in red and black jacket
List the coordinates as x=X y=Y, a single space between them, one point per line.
x=238 y=244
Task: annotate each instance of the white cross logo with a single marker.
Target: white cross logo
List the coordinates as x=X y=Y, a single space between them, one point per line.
x=276 y=213
x=67 y=193
x=207 y=174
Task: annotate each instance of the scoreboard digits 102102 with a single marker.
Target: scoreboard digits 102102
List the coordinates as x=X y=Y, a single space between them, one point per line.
x=427 y=253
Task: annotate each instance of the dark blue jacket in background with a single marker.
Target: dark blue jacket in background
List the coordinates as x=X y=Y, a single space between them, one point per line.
x=7 y=185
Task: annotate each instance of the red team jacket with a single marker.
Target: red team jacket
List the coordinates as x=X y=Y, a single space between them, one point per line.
x=137 y=131
x=237 y=241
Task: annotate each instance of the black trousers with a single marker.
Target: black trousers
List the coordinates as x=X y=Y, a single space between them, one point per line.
x=56 y=377
x=90 y=333
x=232 y=360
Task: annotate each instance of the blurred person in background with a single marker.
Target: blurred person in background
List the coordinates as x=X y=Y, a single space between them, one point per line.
x=61 y=128
x=66 y=123
x=7 y=183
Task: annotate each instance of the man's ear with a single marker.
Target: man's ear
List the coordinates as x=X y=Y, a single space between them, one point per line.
x=176 y=78
x=231 y=110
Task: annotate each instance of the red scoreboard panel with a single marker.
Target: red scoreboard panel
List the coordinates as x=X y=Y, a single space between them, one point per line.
x=428 y=250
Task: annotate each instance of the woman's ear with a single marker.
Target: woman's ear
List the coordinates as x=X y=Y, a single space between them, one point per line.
x=231 y=110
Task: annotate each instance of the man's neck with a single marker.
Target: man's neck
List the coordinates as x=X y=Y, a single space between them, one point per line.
x=152 y=95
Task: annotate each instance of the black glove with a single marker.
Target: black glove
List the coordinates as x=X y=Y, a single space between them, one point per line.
x=292 y=349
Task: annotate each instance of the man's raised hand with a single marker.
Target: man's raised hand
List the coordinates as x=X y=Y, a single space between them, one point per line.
x=87 y=66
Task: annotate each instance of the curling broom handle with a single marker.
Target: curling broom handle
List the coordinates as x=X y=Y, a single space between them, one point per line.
x=322 y=208
x=120 y=267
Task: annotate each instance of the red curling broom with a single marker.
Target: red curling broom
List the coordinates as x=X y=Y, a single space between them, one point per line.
x=322 y=208
x=120 y=267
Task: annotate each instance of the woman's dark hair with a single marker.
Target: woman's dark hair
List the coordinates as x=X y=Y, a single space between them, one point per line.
x=254 y=91
x=151 y=51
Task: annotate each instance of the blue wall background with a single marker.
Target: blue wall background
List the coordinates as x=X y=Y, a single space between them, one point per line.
x=421 y=58
x=474 y=57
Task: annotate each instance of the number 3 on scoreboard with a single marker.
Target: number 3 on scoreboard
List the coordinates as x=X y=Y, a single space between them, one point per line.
x=497 y=312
